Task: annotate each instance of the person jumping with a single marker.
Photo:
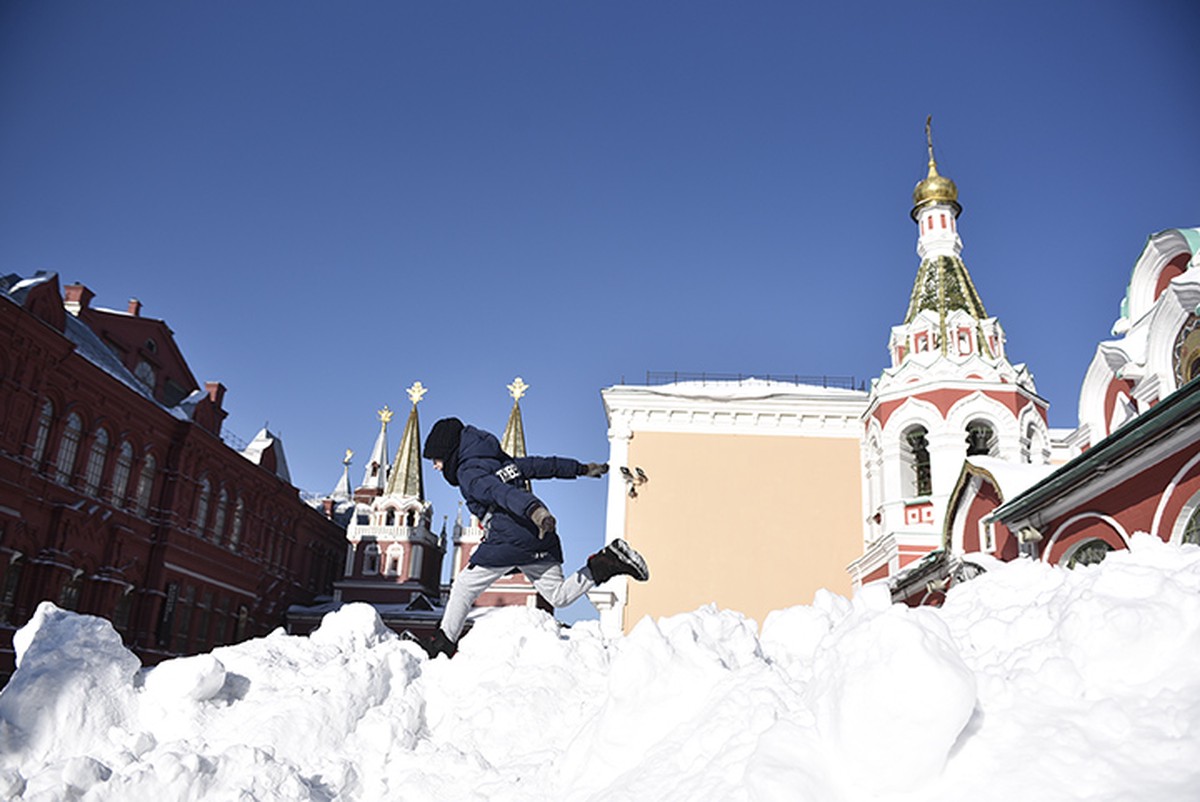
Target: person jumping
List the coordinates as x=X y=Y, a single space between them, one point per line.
x=518 y=530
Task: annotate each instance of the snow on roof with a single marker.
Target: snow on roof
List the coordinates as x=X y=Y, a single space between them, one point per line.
x=261 y=442
x=1012 y=478
x=750 y=388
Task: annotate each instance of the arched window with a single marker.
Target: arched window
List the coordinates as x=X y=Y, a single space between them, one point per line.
x=42 y=435
x=371 y=559
x=919 y=478
x=981 y=439
x=202 y=506
x=1033 y=445
x=239 y=515
x=219 y=516
x=68 y=446
x=95 y=464
x=121 y=471
x=1089 y=552
x=145 y=485
x=1191 y=530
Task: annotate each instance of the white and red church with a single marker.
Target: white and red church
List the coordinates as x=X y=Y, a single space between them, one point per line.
x=959 y=464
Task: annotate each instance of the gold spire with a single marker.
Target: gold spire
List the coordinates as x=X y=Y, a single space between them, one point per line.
x=406 y=478
x=513 y=441
x=934 y=188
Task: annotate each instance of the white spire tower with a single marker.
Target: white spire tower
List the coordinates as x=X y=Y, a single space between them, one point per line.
x=376 y=472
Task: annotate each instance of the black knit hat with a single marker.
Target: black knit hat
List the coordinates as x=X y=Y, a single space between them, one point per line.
x=442 y=441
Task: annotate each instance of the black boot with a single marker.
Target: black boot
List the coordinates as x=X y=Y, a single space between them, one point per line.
x=440 y=644
x=616 y=559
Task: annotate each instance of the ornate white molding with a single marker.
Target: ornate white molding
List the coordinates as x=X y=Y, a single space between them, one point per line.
x=770 y=408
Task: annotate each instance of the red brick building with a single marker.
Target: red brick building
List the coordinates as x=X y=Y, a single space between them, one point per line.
x=118 y=496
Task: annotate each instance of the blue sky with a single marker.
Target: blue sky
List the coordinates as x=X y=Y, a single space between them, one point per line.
x=329 y=201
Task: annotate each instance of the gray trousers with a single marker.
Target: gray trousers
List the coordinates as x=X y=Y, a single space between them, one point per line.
x=547 y=577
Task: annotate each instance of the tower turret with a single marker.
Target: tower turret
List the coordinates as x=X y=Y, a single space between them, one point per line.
x=375 y=474
x=405 y=478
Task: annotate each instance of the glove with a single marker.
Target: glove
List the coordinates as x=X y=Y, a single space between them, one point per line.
x=543 y=520
x=594 y=470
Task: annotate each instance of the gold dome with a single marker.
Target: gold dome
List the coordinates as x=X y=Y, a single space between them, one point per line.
x=934 y=188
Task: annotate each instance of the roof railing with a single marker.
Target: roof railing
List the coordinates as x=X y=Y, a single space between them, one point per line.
x=654 y=377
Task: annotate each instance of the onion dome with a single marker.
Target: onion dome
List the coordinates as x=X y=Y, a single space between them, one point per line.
x=935 y=188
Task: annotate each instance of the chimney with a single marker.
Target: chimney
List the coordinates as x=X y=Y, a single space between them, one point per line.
x=216 y=392
x=135 y=307
x=76 y=298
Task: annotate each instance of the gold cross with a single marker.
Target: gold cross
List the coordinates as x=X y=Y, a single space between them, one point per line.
x=517 y=388
x=417 y=392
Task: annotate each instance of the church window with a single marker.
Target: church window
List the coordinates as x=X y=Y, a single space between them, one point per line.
x=67 y=448
x=391 y=518
x=1191 y=530
x=1089 y=552
x=964 y=341
x=371 y=559
x=95 y=463
x=121 y=472
x=414 y=563
x=921 y=342
x=980 y=439
x=919 y=479
x=43 y=434
x=943 y=221
x=1032 y=445
x=145 y=484
x=202 y=506
x=410 y=519
x=1185 y=352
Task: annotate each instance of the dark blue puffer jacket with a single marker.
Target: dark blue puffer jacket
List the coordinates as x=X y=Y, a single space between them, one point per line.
x=490 y=481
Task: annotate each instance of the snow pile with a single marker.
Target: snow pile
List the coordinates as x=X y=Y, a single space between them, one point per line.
x=1031 y=682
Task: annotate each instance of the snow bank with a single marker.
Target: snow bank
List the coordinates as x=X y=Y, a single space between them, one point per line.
x=1031 y=682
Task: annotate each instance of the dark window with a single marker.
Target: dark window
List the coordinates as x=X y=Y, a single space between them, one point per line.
x=980 y=439
x=12 y=582
x=918 y=454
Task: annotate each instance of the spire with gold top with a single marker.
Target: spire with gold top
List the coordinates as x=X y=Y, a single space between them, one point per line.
x=943 y=284
x=513 y=441
x=405 y=478
x=376 y=471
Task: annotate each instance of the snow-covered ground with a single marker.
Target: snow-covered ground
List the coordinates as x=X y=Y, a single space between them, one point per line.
x=1031 y=683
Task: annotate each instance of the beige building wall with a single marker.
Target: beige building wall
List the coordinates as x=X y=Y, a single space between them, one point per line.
x=753 y=501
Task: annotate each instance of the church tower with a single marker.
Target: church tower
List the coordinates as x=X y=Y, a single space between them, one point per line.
x=392 y=556
x=949 y=393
